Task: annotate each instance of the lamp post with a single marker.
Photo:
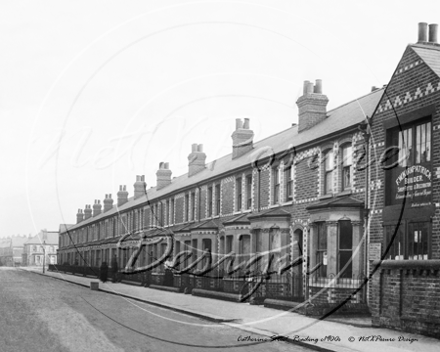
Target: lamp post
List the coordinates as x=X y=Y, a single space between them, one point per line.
x=44 y=255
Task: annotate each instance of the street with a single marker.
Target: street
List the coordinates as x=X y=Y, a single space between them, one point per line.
x=39 y=313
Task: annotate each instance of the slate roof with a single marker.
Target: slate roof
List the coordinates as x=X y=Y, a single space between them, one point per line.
x=345 y=116
x=207 y=225
x=276 y=212
x=430 y=54
x=51 y=237
x=65 y=227
x=339 y=202
x=14 y=241
x=240 y=219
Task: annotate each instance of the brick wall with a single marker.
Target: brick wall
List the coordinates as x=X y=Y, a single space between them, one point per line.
x=395 y=103
x=405 y=296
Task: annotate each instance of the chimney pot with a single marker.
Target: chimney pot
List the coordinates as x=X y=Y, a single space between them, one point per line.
x=433 y=33
x=238 y=124
x=310 y=88
x=422 y=32
x=166 y=166
x=246 y=123
x=200 y=148
x=194 y=147
x=306 y=84
x=318 y=86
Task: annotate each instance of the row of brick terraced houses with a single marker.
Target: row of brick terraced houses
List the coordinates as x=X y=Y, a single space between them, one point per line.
x=343 y=208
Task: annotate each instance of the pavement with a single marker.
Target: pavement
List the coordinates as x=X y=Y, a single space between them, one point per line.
x=333 y=334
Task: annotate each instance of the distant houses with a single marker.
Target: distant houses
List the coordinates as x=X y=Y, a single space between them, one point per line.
x=25 y=250
x=11 y=249
x=43 y=244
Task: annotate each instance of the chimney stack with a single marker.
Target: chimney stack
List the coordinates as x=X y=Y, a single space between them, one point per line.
x=97 y=207
x=140 y=187
x=163 y=176
x=108 y=202
x=433 y=33
x=312 y=105
x=242 y=138
x=87 y=212
x=422 y=32
x=122 y=195
x=79 y=216
x=196 y=160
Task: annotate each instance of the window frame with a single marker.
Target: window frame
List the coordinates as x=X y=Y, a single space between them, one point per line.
x=392 y=139
x=193 y=206
x=404 y=236
x=328 y=173
x=321 y=229
x=276 y=185
x=218 y=192
x=238 y=193
x=186 y=218
x=288 y=183
x=210 y=200
x=348 y=273
x=343 y=167
x=248 y=191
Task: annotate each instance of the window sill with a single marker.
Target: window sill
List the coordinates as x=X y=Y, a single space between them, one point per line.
x=326 y=196
x=275 y=205
x=347 y=192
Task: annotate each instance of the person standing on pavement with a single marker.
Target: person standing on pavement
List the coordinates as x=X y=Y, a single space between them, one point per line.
x=103 y=272
x=114 y=268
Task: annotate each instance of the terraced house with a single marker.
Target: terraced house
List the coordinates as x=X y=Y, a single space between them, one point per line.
x=297 y=195
x=312 y=211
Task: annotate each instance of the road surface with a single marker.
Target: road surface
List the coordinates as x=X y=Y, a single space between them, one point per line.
x=39 y=313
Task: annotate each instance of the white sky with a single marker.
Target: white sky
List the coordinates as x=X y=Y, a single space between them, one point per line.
x=93 y=93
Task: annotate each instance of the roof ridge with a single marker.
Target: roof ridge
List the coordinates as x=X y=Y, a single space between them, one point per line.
x=356 y=99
